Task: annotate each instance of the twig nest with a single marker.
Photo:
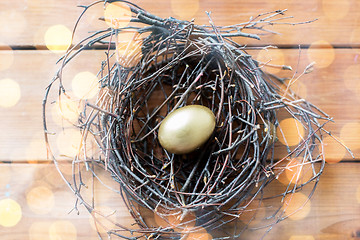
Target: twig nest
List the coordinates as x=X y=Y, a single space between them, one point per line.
x=186 y=129
x=161 y=92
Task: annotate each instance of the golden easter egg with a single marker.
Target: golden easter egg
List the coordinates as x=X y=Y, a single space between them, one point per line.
x=186 y=129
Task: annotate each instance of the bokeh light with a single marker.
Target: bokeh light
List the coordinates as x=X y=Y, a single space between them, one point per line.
x=69 y=142
x=129 y=49
x=40 y=200
x=296 y=172
x=302 y=237
x=350 y=135
x=322 y=53
x=62 y=230
x=85 y=85
x=93 y=16
x=352 y=77
x=10 y=212
x=103 y=219
x=65 y=109
x=294 y=206
x=10 y=93
x=39 y=230
x=335 y=10
x=290 y=132
x=6 y=57
x=273 y=58
x=117 y=15
x=58 y=38
x=185 y=9
x=334 y=152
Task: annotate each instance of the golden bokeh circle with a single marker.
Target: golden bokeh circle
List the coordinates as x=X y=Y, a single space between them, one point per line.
x=297 y=206
x=335 y=10
x=85 y=85
x=39 y=230
x=62 y=230
x=334 y=152
x=93 y=16
x=290 y=132
x=65 y=110
x=117 y=15
x=322 y=53
x=10 y=212
x=40 y=200
x=69 y=142
x=10 y=93
x=185 y=9
x=350 y=135
x=296 y=172
x=58 y=38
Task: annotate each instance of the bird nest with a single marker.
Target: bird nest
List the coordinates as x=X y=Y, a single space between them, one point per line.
x=155 y=66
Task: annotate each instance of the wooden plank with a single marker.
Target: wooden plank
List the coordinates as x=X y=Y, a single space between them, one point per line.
x=45 y=201
x=47 y=204
x=25 y=22
x=334 y=89
x=22 y=137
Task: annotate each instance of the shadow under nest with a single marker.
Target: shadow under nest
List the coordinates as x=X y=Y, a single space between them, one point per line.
x=171 y=64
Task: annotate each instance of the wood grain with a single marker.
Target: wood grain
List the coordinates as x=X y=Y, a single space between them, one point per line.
x=47 y=203
x=333 y=90
x=25 y=22
x=334 y=214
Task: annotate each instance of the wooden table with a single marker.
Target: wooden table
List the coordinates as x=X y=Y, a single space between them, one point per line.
x=41 y=204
